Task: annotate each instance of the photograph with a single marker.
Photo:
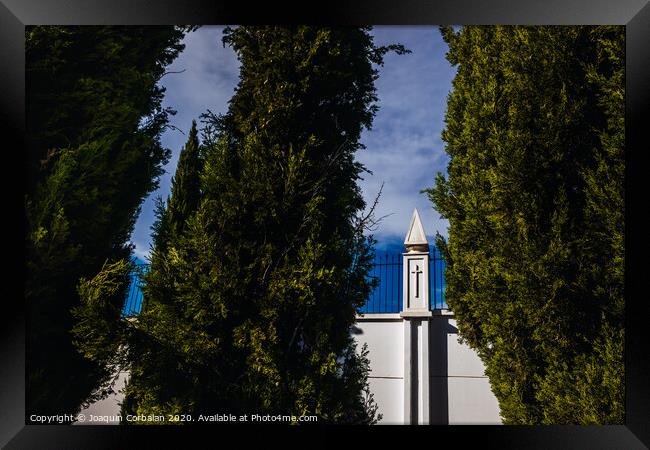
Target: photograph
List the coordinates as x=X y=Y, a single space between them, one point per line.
x=299 y=224
x=281 y=223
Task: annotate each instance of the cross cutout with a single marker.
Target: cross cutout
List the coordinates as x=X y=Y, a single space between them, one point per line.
x=417 y=272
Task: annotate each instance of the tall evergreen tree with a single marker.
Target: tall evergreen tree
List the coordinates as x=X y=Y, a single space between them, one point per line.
x=94 y=117
x=100 y=332
x=534 y=198
x=185 y=194
x=266 y=278
x=186 y=189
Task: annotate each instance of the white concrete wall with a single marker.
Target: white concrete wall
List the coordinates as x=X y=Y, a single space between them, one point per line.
x=384 y=334
x=471 y=400
x=459 y=391
x=105 y=412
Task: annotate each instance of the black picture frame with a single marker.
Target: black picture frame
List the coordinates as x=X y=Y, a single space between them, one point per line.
x=635 y=14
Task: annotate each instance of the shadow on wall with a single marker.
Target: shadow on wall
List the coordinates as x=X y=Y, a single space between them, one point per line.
x=439 y=331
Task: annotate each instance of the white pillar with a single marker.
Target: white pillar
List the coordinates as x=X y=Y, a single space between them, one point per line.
x=416 y=313
x=424 y=380
x=408 y=376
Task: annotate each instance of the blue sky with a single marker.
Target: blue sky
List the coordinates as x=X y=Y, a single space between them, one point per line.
x=403 y=149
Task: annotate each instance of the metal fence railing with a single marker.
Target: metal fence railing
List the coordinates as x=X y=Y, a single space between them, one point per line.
x=385 y=298
x=437 y=284
x=133 y=301
x=387 y=295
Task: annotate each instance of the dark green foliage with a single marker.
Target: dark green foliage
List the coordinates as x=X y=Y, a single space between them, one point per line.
x=249 y=308
x=186 y=190
x=94 y=117
x=98 y=319
x=534 y=198
x=185 y=195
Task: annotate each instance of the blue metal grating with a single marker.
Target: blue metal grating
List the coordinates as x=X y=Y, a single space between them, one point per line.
x=385 y=298
x=133 y=302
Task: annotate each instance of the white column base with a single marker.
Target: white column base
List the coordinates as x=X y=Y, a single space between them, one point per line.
x=408 y=355
x=416 y=371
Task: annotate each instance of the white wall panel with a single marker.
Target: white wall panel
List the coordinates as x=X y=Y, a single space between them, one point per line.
x=386 y=345
x=389 y=395
x=472 y=402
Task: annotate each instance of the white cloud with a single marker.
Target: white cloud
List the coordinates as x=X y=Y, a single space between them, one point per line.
x=404 y=148
x=209 y=75
x=139 y=250
x=207 y=81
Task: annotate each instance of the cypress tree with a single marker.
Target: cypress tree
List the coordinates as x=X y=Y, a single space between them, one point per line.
x=94 y=117
x=101 y=333
x=186 y=193
x=271 y=268
x=534 y=198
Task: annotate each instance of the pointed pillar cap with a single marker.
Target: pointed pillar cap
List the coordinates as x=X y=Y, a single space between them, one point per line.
x=416 y=239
